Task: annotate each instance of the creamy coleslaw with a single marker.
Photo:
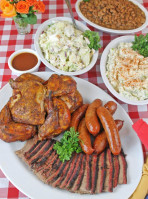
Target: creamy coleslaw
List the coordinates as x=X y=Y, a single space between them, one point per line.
x=65 y=47
x=127 y=72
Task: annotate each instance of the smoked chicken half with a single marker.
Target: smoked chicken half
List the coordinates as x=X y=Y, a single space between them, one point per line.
x=27 y=102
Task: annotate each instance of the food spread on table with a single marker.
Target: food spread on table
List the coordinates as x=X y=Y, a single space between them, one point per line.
x=127 y=70
x=89 y=157
x=113 y=14
x=67 y=48
x=93 y=166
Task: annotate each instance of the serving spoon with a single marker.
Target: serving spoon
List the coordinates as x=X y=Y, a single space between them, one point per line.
x=71 y=13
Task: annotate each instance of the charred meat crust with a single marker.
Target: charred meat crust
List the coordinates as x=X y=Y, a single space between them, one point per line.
x=81 y=174
x=76 y=172
x=94 y=173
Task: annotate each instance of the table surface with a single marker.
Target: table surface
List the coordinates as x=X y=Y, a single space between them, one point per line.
x=10 y=41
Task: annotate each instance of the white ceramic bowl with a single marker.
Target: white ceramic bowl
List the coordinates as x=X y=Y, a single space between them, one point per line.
x=19 y=72
x=43 y=26
x=112 y=30
x=113 y=44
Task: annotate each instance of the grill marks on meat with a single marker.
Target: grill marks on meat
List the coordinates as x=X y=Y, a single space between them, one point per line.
x=75 y=172
x=101 y=173
x=70 y=172
x=108 y=183
x=94 y=172
x=123 y=169
x=116 y=170
x=81 y=174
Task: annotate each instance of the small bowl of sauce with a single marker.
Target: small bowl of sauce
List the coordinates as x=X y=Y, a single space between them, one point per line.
x=24 y=61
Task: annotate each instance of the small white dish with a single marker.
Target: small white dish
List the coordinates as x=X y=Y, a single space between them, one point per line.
x=42 y=27
x=19 y=72
x=113 y=44
x=112 y=30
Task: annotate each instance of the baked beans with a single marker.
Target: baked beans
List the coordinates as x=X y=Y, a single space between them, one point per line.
x=113 y=14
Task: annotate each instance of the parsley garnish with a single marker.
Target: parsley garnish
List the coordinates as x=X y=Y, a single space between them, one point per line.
x=67 y=145
x=141 y=45
x=93 y=38
x=86 y=0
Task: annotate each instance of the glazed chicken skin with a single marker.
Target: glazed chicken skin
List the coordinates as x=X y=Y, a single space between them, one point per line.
x=64 y=87
x=60 y=85
x=57 y=120
x=11 y=131
x=35 y=102
x=73 y=100
x=27 y=103
x=28 y=77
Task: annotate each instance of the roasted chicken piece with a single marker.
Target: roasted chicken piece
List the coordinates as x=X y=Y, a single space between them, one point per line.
x=73 y=100
x=27 y=103
x=11 y=131
x=29 y=76
x=57 y=121
x=60 y=85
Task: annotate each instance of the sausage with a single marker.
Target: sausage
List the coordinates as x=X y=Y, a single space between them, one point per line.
x=78 y=115
x=100 y=142
x=110 y=129
x=91 y=118
x=85 y=139
x=119 y=124
x=111 y=106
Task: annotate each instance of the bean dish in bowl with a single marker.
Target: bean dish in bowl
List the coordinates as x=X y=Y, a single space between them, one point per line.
x=114 y=16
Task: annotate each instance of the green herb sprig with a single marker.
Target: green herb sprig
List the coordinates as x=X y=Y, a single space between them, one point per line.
x=141 y=44
x=67 y=145
x=86 y=0
x=94 y=39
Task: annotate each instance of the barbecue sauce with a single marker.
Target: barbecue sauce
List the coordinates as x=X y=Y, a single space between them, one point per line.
x=24 y=61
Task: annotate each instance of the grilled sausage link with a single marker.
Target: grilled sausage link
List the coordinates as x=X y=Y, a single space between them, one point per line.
x=111 y=106
x=91 y=118
x=78 y=115
x=85 y=139
x=110 y=129
x=100 y=142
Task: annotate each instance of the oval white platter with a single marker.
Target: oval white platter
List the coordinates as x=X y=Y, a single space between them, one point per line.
x=112 y=30
x=20 y=175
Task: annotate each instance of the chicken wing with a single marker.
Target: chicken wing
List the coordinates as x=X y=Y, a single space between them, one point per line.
x=73 y=100
x=11 y=131
x=51 y=123
x=57 y=121
x=64 y=115
x=60 y=85
x=5 y=116
x=27 y=103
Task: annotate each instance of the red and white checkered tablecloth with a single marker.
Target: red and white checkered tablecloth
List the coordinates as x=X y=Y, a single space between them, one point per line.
x=10 y=41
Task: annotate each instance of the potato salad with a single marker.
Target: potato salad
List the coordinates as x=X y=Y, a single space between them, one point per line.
x=127 y=72
x=65 y=47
